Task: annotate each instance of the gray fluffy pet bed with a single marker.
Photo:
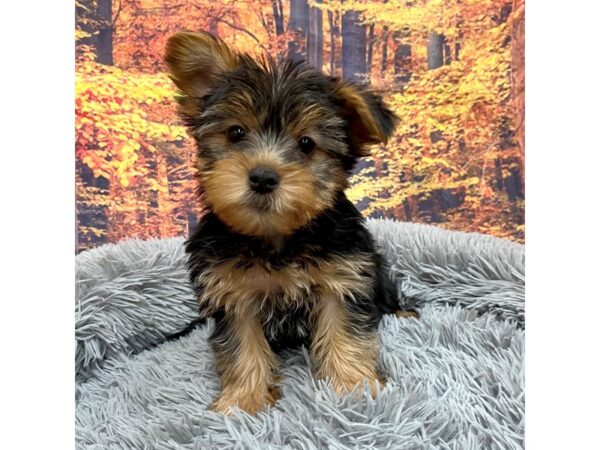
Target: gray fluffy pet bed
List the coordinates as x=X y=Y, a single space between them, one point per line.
x=455 y=376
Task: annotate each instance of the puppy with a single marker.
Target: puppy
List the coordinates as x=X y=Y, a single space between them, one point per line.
x=282 y=258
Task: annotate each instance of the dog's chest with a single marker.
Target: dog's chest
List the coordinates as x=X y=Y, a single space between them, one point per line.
x=243 y=285
x=238 y=283
x=283 y=299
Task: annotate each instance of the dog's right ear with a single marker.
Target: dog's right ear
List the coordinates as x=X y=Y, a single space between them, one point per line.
x=196 y=60
x=370 y=121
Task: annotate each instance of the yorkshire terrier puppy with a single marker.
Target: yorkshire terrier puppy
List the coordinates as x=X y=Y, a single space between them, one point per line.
x=282 y=257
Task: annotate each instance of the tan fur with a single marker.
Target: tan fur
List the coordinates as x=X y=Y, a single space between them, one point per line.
x=234 y=288
x=312 y=114
x=251 y=293
x=240 y=110
x=365 y=127
x=195 y=60
x=345 y=358
x=248 y=373
x=407 y=314
x=295 y=200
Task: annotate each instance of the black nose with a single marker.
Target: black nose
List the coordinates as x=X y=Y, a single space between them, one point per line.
x=263 y=180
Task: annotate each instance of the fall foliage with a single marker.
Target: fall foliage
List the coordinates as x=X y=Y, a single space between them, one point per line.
x=452 y=70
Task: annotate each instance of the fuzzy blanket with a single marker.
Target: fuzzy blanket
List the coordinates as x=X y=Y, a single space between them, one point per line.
x=455 y=376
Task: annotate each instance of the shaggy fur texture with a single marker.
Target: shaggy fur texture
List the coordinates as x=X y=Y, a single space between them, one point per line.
x=455 y=376
x=282 y=257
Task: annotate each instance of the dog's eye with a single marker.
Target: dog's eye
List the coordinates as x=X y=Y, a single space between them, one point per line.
x=306 y=144
x=236 y=133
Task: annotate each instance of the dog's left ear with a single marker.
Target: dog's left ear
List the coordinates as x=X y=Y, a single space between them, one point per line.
x=196 y=60
x=369 y=120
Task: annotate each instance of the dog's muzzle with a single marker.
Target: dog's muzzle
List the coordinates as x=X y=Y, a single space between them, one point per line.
x=263 y=180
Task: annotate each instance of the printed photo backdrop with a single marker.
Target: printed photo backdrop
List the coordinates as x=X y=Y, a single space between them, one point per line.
x=452 y=70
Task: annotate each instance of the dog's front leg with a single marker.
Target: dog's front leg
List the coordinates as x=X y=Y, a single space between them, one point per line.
x=344 y=346
x=246 y=364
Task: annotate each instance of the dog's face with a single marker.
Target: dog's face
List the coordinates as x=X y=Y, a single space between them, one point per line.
x=276 y=141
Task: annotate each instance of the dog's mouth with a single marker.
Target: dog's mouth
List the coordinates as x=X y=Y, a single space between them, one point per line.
x=262 y=203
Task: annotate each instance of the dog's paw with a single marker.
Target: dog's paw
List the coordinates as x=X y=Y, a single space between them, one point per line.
x=408 y=314
x=250 y=403
x=345 y=386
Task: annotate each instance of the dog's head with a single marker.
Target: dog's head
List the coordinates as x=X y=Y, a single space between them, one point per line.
x=276 y=140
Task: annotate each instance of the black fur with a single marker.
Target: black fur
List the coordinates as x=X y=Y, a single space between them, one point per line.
x=306 y=225
x=299 y=86
x=338 y=231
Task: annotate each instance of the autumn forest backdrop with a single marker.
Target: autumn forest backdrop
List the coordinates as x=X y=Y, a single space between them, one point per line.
x=452 y=70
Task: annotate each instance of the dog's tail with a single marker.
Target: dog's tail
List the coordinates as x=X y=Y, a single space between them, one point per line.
x=187 y=330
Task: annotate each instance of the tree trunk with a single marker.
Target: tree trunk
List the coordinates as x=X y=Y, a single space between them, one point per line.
x=518 y=71
x=192 y=222
x=447 y=52
x=278 y=23
x=333 y=35
x=104 y=44
x=278 y=17
x=498 y=174
x=384 y=50
x=370 y=43
x=298 y=26
x=94 y=213
x=402 y=58
x=354 y=47
x=514 y=188
x=407 y=210
x=163 y=208
x=314 y=40
x=84 y=22
x=435 y=59
x=384 y=47
x=435 y=51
